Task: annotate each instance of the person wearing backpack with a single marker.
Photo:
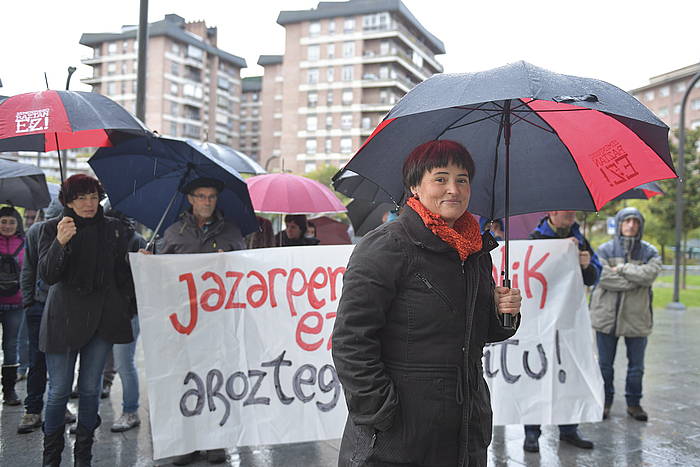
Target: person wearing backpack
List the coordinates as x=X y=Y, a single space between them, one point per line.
x=11 y=258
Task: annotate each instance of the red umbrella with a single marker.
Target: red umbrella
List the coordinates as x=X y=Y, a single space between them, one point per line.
x=292 y=194
x=330 y=231
x=50 y=120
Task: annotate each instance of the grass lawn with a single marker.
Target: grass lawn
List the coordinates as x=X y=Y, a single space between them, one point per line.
x=689 y=297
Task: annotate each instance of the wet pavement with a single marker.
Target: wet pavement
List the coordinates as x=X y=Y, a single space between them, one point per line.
x=670 y=437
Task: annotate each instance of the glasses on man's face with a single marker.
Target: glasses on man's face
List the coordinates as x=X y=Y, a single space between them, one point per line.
x=202 y=197
x=8 y=222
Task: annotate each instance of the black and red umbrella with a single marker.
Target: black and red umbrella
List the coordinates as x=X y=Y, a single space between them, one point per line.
x=541 y=141
x=54 y=120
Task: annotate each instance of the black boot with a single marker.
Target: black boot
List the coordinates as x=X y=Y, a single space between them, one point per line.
x=8 y=380
x=53 y=447
x=82 y=450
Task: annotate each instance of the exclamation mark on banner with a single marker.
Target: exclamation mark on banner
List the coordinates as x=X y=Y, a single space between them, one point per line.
x=562 y=373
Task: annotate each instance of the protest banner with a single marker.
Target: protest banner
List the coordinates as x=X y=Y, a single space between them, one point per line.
x=547 y=372
x=237 y=345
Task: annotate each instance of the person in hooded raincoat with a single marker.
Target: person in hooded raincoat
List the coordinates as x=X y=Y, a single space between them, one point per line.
x=621 y=306
x=419 y=302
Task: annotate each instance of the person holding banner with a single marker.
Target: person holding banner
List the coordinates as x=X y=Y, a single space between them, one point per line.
x=83 y=258
x=202 y=229
x=562 y=224
x=621 y=306
x=419 y=302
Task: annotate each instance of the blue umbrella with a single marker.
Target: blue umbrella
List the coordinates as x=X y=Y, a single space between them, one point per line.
x=235 y=159
x=143 y=178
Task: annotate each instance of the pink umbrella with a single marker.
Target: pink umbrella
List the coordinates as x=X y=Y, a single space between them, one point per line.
x=291 y=194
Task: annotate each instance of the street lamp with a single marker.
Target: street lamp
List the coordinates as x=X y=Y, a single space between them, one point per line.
x=676 y=303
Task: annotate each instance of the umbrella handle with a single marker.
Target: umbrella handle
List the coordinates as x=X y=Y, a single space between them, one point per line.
x=151 y=242
x=507 y=317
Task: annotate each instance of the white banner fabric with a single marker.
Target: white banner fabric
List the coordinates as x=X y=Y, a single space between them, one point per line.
x=237 y=345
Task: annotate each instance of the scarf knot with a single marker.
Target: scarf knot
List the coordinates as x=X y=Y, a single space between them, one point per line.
x=464 y=237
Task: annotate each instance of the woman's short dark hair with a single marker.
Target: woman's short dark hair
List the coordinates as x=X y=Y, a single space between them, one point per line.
x=434 y=154
x=77 y=185
x=298 y=219
x=9 y=211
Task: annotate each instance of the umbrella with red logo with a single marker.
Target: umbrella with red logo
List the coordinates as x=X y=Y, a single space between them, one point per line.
x=54 y=120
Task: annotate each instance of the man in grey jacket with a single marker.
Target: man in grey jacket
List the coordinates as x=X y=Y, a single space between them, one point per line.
x=203 y=228
x=621 y=305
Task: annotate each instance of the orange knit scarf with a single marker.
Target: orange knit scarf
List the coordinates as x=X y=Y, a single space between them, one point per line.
x=465 y=237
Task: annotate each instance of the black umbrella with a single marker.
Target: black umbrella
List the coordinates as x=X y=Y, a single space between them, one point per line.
x=541 y=141
x=23 y=185
x=645 y=191
x=367 y=215
x=237 y=160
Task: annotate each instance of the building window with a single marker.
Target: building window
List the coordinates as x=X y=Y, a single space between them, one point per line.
x=112 y=48
x=173 y=128
x=349 y=25
x=175 y=48
x=663 y=112
x=329 y=122
x=384 y=72
x=366 y=123
x=677 y=109
x=384 y=48
x=329 y=74
x=313 y=53
x=649 y=96
x=111 y=68
x=383 y=97
x=255 y=96
x=314 y=29
x=695 y=104
x=309 y=167
x=346 y=145
x=174 y=108
x=311 y=123
x=347 y=97
x=681 y=87
x=311 y=146
x=195 y=52
x=111 y=88
x=327 y=146
x=223 y=83
x=694 y=124
x=331 y=26
x=312 y=76
x=665 y=91
x=191 y=90
x=346 y=121
x=312 y=99
x=379 y=21
x=348 y=49
x=347 y=73
x=330 y=51
x=417 y=59
x=329 y=97
x=175 y=68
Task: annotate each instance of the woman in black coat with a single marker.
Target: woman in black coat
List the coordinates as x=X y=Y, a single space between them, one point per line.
x=83 y=257
x=419 y=303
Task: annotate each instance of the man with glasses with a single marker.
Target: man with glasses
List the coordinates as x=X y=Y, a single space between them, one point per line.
x=202 y=229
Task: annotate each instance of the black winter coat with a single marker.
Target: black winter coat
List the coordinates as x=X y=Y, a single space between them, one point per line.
x=407 y=345
x=70 y=318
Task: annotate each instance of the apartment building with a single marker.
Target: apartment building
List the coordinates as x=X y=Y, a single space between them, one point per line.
x=193 y=88
x=345 y=65
x=664 y=93
x=251 y=107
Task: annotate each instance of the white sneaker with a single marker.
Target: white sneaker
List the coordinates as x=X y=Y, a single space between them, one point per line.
x=126 y=422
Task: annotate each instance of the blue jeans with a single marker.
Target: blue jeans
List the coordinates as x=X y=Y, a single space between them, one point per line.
x=11 y=317
x=36 y=378
x=563 y=429
x=124 y=365
x=607 y=348
x=61 y=367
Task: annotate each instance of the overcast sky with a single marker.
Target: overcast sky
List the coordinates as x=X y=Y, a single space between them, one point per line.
x=623 y=42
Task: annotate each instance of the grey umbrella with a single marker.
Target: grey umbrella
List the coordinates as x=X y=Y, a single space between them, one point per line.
x=235 y=159
x=23 y=185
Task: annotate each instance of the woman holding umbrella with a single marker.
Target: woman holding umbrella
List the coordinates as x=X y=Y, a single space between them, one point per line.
x=83 y=257
x=418 y=305
x=11 y=258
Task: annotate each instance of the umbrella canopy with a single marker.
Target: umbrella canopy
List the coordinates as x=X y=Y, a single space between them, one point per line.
x=367 y=215
x=330 y=231
x=50 y=120
x=558 y=141
x=235 y=159
x=285 y=193
x=23 y=185
x=645 y=191
x=143 y=175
